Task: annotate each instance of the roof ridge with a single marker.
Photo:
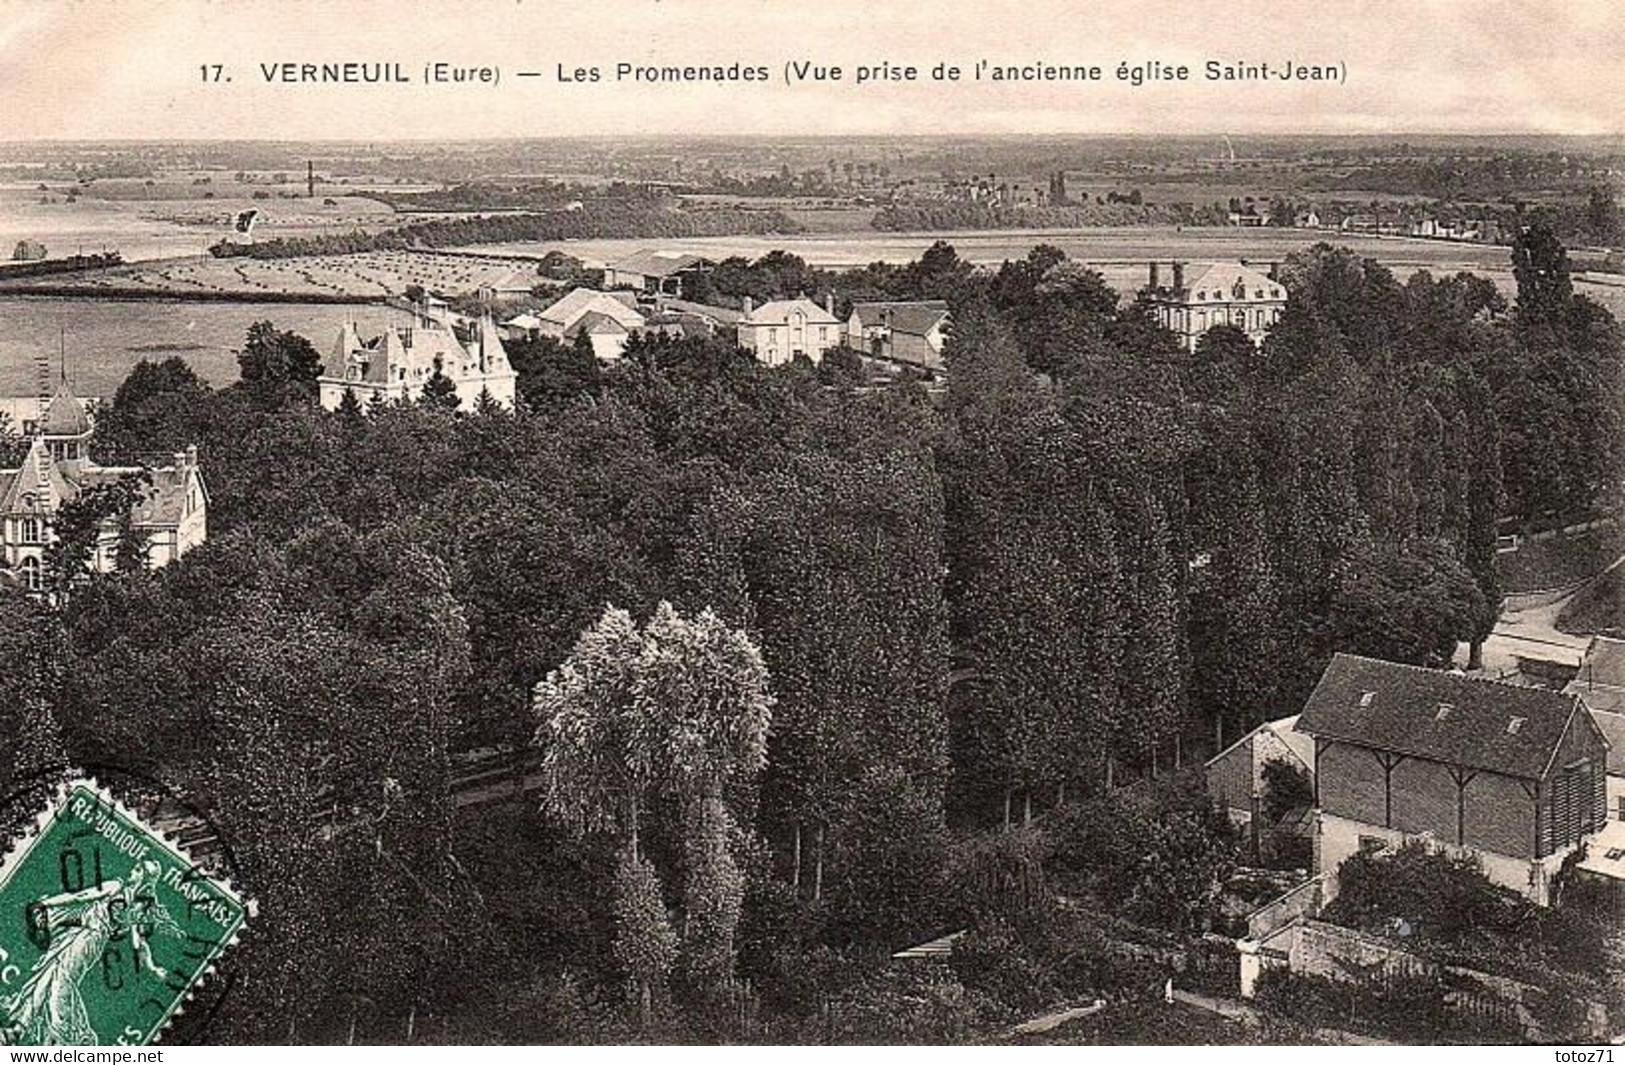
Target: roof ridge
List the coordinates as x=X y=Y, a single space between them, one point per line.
x=1434 y=672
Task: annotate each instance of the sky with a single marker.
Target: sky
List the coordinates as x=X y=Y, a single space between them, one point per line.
x=134 y=69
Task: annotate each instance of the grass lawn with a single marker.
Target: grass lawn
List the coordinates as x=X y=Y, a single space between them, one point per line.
x=1560 y=560
x=1599 y=609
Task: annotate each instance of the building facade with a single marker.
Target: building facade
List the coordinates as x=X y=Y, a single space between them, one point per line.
x=780 y=331
x=1235 y=776
x=1511 y=775
x=1194 y=301
x=169 y=516
x=910 y=332
x=656 y=272
x=395 y=365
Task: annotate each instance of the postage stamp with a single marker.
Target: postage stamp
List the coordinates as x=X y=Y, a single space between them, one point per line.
x=106 y=927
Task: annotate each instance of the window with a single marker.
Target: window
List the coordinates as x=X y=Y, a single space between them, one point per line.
x=1365 y=699
x=31 y=578
x=1514 y=725
x=31 y=531
x=1443 y=712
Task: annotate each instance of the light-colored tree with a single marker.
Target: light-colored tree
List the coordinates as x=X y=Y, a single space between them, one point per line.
x=674 y=713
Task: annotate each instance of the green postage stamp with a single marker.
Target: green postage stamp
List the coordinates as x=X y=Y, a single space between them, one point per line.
x=106 y=927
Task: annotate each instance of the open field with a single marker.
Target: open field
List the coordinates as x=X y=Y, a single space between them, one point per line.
x=368 y=275
x=169 y=220
x=1097 y=245
x=105 y=339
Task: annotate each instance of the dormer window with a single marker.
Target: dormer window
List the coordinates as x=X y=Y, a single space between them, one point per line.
x=1365 y=699
x=1514 y=725
x=1443 y=712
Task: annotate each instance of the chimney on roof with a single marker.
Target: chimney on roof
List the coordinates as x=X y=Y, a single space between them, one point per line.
x=180 y=460
x=748 y=305
x=1154 y=280
x=829 y=303
x=1275 y=268
x=191 y=454
x=1179 y=277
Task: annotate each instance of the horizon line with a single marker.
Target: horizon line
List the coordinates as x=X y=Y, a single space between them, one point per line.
x=919 y=136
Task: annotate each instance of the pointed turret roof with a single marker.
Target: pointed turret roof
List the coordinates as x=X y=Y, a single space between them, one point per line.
x=37 y=477
x=65 y=415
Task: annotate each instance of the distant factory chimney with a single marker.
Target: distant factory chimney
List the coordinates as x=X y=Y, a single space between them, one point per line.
x=1154 y=279
x=310 y=178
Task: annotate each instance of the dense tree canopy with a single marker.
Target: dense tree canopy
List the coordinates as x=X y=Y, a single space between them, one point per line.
x=1086 y=562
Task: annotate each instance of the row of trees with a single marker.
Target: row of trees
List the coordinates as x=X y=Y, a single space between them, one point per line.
x=846 y=624
x=909 y=217
x=606 y=218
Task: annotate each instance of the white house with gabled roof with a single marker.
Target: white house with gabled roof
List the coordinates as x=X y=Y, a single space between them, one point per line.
x=780 y=330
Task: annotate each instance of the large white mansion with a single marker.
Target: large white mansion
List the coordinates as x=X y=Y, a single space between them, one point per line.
x=1215 y=294
x=395 y=365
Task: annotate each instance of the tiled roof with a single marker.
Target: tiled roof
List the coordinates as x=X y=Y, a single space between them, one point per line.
x=1604 y=663
x=66 y=415
x=916 y=318
x=724 y=315
x=38 y=477
x=1444 y=717
x=1597 y=697
x=777 y=312
x=1612 y=727
x=515 y=280
x=164 y=503
x=654 y=263
x=593 y=323
x=1219 y=281
x=1601 y=680
x=567 y=309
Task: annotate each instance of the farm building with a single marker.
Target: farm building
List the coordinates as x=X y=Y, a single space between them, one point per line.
x=655 y=272
x=1513 y=775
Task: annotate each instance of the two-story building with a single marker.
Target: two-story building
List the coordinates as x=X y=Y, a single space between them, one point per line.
x=1515 y=776
x=1215 y=294
x=779 y=331
x=170 y=515
x=911 y=332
